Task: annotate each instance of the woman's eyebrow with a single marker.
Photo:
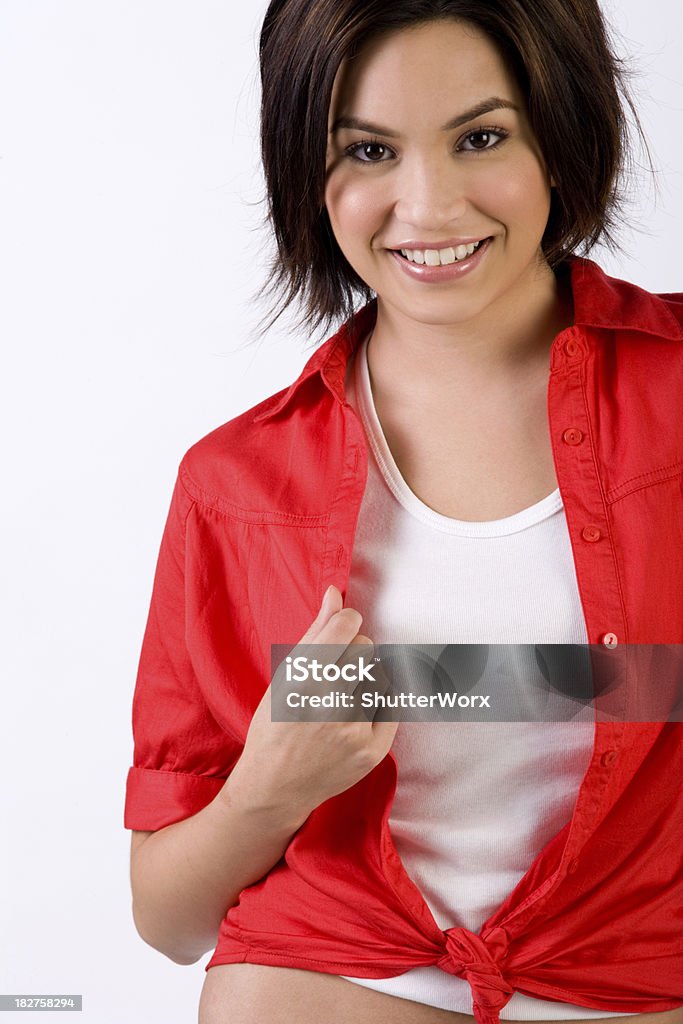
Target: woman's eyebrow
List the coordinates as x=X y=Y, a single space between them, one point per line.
x=484 y=107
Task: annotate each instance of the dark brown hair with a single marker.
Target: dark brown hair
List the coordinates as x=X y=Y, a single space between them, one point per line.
x=561 y=54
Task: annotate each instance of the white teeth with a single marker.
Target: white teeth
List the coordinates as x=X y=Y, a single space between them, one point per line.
x=440 y=257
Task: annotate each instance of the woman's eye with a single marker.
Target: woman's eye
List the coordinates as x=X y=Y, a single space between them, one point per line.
x=368 y=152
x=482 y=138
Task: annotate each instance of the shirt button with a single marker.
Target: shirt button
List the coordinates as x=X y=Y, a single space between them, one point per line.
x=591 y=533
x=609 y=639
x=573 y=866
x=608 y=758
x=572 y=436
x=572 y=348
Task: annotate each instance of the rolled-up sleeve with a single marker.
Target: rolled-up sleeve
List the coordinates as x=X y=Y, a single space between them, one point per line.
x=181 y=754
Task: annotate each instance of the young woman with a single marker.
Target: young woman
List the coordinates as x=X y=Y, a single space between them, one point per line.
x=488 y=452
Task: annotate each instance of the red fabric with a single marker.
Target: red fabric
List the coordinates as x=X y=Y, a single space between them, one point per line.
x=262 y=519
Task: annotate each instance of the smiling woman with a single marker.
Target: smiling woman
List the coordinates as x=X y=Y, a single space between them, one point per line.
x=476 y=180
x=555 y=58
x=486 y=453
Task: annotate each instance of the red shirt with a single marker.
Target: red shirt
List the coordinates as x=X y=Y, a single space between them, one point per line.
x=262 y=520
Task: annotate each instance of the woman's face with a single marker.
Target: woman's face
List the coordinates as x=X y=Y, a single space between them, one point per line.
x=430 y=148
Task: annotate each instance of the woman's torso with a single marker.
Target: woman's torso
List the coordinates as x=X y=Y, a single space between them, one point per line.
x=505 y=466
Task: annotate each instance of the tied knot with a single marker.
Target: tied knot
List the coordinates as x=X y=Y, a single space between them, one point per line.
x=469 y=957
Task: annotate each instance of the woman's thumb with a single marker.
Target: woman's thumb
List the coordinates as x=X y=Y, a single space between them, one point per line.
x=332 y=602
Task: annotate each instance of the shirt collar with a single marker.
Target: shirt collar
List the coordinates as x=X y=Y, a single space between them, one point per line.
x=599 y=301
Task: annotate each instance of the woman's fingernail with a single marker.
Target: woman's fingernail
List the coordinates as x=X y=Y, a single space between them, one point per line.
x=326 y=597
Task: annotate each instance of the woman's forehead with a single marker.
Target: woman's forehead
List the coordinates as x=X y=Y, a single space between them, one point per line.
x=451 y=63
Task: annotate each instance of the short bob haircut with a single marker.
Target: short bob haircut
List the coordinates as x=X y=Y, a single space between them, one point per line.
x=563 y=60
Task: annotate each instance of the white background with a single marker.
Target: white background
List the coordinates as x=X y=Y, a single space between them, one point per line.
x=130 y=253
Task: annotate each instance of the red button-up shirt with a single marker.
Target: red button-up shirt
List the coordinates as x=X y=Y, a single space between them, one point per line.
x=262 y=520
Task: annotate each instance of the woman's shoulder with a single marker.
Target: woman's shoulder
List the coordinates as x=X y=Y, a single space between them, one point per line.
x=260 y=460
x=607 y=301
x=216 y=469
x=257 y=452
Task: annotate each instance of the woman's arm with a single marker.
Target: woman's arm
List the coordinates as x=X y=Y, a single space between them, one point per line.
x=186 y=876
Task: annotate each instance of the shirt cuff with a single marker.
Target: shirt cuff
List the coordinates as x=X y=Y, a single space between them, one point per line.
x=158 y=798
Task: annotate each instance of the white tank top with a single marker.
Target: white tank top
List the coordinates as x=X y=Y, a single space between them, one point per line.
x=475 y=802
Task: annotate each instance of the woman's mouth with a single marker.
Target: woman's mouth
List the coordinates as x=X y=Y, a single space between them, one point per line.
x=441 y=257
x=440 y=265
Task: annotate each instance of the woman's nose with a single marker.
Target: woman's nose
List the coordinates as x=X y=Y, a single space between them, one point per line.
x=429 y=194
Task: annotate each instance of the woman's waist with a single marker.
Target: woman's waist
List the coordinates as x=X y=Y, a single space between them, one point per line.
x=261 y=994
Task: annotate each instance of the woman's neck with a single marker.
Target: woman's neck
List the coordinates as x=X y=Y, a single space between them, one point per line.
x=415 y=362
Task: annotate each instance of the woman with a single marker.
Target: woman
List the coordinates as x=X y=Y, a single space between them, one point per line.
x=487 y=453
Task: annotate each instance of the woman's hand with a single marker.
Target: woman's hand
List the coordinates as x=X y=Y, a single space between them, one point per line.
x=299 y=764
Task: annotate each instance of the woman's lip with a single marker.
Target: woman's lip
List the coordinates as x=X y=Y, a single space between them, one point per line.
x=452 y=271
x=452 y=244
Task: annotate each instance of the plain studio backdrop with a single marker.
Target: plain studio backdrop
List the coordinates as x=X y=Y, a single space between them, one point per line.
x=131 y=250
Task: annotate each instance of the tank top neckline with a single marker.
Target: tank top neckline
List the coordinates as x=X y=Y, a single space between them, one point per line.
x=391 y=474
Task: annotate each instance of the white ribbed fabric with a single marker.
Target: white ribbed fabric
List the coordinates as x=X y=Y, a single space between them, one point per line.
x=475 y=802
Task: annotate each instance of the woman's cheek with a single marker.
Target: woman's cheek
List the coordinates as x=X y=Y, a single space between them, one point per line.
x=522 y=194
x=353 y=207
